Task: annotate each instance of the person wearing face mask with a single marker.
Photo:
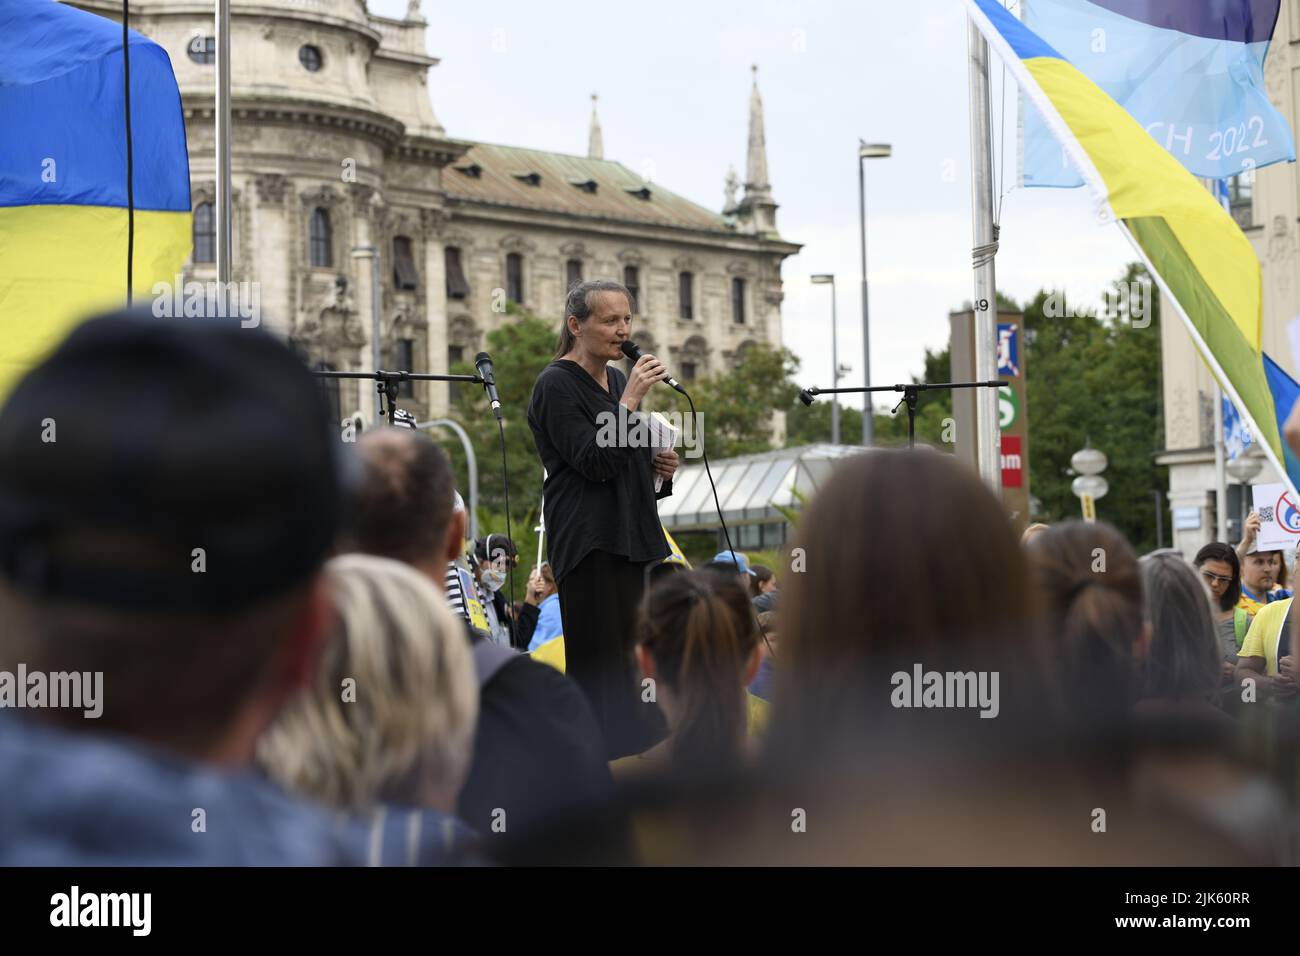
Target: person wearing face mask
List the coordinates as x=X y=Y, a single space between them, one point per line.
x=493 y=557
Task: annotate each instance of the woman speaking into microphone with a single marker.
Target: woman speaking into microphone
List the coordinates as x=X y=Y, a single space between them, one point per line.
x=602 y=525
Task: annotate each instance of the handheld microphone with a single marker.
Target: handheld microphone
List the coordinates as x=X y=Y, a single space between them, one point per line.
x=483 y=364
x=634 y=353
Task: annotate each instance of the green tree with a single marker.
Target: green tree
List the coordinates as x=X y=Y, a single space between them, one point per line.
x=520 y=350
x=810 y=424
x=933 y=408
x=1096 y=378
x=736 y=407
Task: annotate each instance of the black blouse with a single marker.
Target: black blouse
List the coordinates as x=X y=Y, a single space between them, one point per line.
x=599 y=494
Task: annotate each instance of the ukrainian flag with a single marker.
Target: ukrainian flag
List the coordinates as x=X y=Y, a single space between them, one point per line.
x=63 y=174
x=1191 y=72
x=1198 y=255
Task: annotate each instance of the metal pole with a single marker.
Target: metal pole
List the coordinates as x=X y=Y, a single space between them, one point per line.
x=471 y=462
x=222 y=108
x=868 y=422
x=986 y=305
x=375 y=353
x=1220 y=469
x=1160 y=520
x=835 y=371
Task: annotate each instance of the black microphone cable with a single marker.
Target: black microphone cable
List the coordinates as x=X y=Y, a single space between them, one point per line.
x=633 y=352
x=489 y=387
x=130 y=161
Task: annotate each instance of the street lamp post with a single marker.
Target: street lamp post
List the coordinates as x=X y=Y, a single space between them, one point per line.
x=471 y=463
x=1089 y=486
x=1245 y=468
x=866 y=151
x=829 y=279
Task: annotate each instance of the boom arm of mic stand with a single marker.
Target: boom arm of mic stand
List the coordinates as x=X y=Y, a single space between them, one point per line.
x=388 y=383
x=911 y=393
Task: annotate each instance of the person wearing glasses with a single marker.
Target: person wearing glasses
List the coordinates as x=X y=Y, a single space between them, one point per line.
x=1220 y=570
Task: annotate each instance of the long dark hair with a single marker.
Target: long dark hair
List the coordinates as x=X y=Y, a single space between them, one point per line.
x=701 y=632
x=1218 y=551
x=841 y=642
x=1182 y=663
x=578 y=303
x=1088 y=575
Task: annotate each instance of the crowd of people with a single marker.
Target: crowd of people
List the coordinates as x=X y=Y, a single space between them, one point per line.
x=303 y=663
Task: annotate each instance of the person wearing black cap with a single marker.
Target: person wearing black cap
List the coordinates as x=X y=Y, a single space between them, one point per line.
x=602 y=524
x=169 y=491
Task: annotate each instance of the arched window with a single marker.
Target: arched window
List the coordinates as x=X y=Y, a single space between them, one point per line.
x=205 y=233
x=632 y=280
x=405 y=275
x=457 y=284
x=202 y=50
x=322 y=251
x=515 y=278
x=686 y=295
x=738 y=301
x=310 y=58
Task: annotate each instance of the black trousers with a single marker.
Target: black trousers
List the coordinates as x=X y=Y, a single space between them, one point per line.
x=598 y=604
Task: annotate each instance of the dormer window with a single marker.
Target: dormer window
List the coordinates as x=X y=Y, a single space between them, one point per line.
x=473 y=170
x=202 y=50
x=586 y=185
x=532 y=179
x=643 y=193
x=310 y=58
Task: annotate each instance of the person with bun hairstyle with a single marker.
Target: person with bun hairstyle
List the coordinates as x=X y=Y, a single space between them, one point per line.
x=1089 y=578
x=697 y=639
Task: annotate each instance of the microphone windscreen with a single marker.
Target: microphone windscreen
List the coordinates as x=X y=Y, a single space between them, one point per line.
x=806 y=396
x=631 y=349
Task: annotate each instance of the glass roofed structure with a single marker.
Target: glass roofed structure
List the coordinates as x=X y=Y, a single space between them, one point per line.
x=750 y=489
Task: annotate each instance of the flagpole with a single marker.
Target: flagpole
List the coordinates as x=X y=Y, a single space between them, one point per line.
x=989 y=443
x=222 y=111
x=1220 y=469
x=1220 y=447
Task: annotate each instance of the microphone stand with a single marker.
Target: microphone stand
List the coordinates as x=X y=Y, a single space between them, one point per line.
x=910 y=395
x=387 y=384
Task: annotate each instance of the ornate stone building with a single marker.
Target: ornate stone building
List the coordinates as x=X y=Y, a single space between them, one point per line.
x=1267 y=206
x=336 y=147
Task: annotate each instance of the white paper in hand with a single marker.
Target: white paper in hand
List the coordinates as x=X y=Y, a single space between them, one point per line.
x=663 y=437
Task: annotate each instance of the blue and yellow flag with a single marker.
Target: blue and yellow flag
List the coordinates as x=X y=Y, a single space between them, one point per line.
x=1194 y=249
x=1286 y=392
x=63 y=174
x=1191 y=72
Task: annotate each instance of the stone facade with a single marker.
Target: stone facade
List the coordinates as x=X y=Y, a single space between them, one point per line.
x=331 y=113
x=1269 y=218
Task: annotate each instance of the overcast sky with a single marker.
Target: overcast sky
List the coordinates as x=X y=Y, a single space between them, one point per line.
x=674 y=78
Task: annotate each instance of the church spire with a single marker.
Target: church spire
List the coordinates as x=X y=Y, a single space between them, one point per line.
x=595 y=142
x=756 y=211
x=756 y=166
